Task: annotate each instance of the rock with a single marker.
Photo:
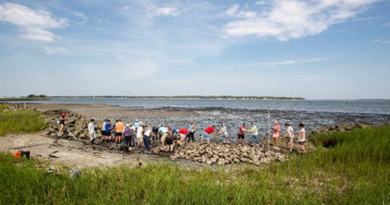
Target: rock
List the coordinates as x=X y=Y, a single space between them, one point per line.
x=277 y=149
x=156 y=150
x=175 y=156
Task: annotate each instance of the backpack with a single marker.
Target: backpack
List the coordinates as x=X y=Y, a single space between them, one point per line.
x=128 y=132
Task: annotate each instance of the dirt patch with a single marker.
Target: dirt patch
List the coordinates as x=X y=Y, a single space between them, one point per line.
x=75 y=153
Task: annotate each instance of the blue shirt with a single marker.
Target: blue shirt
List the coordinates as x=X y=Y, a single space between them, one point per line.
x=163 y=130
x=108 y=126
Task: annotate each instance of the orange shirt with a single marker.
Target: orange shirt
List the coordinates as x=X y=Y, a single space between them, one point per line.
x=119 y=127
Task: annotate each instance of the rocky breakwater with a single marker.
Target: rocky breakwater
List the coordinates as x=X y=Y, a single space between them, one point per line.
x=77 y=125
x=223 y=154
x=342 y=127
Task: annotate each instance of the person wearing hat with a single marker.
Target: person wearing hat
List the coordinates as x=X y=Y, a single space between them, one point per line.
x=127 y=132
x=276 y=133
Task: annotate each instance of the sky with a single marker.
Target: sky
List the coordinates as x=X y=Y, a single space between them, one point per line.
x=316 y=49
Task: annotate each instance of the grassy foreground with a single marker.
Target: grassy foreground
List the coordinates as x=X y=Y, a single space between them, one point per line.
x=355 y=170
x=20 y=121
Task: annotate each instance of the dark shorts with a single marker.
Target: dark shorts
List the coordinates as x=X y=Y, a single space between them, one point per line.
x=301 y=142
x=169 y=140
x=118 y=134
x=241 y=136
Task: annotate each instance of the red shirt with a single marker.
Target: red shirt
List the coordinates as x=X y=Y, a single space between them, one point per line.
x=209 y=130
x=241 y=130
x=183 y=131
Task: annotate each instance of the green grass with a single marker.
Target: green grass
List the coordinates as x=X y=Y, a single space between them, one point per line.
x=3 y=107
x=356 y=170
x=20 y=121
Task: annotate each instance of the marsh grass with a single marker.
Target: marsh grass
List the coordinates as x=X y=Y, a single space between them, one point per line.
x=20 y=121
x=3 y=107
x=355 y=170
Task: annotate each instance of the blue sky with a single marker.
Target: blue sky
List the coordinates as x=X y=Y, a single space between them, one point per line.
x=317 y=49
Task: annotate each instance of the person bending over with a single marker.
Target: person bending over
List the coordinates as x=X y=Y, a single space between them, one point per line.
x=163 y=131
x=206 y=134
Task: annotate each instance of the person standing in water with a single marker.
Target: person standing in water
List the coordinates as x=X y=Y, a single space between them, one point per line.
x=302 y=138
x=276 y=133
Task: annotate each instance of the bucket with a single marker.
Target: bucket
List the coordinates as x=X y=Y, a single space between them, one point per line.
x=25 y=154
x=17 y=154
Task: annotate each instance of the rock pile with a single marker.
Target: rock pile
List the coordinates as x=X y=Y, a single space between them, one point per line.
x=343 y=127
x=76 y=124
x=223 y=154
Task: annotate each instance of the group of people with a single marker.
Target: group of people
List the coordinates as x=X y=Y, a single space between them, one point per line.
x=139 y=134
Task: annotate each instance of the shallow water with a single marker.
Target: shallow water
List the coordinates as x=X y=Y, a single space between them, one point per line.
x=350 y=106
x=313 y=113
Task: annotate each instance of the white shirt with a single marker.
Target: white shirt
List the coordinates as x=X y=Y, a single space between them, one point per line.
x=302 y=135
x=91 y=128
x=147 y=132
x=139 y=131
x=290 y=131
x=255 y=130
x=104 y=126
x=224 y=131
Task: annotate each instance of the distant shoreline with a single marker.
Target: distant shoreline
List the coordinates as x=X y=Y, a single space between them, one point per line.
x=181 y=97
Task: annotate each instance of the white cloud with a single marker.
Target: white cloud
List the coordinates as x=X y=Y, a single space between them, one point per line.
x=382 y=41
x=261 y=3
x=126 y=8
x=232 y=10
x=290 y=19
x=288 y=62
x=167 y=11
x=34 y=24
x=81 y=16
x=386 y=25
x=54 y=50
